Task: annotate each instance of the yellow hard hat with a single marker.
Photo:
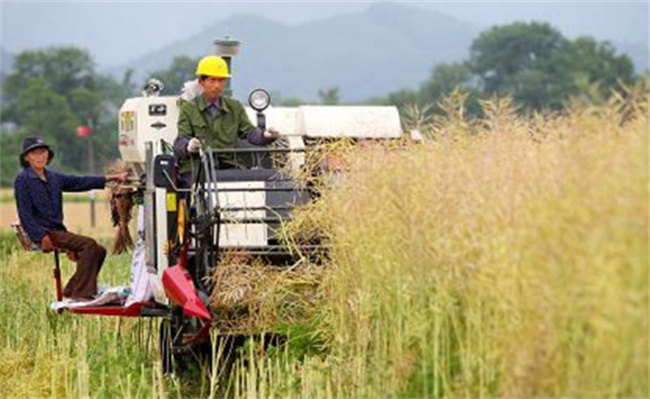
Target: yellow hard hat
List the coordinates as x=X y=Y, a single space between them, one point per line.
x=212 y=66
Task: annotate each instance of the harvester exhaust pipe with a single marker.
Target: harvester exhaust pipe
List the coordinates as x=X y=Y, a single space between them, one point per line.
x=227 y=48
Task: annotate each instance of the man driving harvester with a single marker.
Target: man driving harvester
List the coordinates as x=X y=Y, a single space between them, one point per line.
x=214 y=119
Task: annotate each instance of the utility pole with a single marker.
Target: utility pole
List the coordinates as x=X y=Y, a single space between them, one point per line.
x=91 y=168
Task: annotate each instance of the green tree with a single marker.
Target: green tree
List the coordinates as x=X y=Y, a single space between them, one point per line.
x=181 y=70
x=329 y=96
x=445 y=79
x=403 y=97
x=291 y=102
x=585 y=62
x=540 y=68
x=10 y=145
x=279 y=100
x=50 y=92
x=518 y=59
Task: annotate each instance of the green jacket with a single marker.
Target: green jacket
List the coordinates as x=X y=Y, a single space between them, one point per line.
x=219 y=131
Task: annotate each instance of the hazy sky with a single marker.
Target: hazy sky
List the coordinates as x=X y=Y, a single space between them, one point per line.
x=120 y=30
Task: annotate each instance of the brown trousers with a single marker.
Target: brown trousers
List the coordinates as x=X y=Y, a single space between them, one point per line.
x=89 y=256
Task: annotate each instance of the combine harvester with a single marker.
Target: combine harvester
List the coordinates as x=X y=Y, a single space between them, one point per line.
x=186 y=230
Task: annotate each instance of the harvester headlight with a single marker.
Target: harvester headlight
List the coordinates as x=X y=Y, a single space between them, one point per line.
x=259 y=99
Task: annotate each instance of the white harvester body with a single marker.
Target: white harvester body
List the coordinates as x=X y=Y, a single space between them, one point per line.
x=151 y=122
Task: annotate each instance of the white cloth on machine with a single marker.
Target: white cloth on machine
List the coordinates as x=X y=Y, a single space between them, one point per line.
x=141 y=284
x=191 y=89
x=106 y=296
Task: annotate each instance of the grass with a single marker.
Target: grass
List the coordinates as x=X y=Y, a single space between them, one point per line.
x=45 y=355
x=504 y=257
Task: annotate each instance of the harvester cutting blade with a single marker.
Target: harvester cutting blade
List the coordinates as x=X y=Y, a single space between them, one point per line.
x=181 y=291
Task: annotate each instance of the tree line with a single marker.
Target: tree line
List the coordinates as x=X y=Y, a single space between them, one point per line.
x=531 y=62
x=50 y=92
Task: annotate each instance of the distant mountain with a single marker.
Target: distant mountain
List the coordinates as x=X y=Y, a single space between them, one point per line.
x=385 y=48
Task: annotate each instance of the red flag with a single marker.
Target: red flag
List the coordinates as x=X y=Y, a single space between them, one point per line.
x=83 y=131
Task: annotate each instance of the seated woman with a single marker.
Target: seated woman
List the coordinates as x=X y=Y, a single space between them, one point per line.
x=39 y=199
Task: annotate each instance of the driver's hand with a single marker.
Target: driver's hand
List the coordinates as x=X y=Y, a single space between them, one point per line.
x=194 y=146
x=271 y=134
